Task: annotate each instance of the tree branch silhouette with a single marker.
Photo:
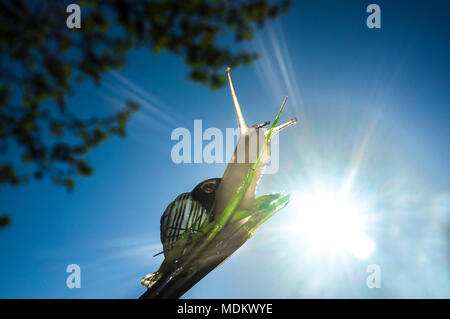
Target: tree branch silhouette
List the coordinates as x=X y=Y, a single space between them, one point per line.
x=42 y=61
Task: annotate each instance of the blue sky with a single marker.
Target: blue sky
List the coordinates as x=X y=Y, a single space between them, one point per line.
x=373 y=116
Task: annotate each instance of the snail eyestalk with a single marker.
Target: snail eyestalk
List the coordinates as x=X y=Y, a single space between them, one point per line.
x=278 y=128
x=243 y=127
x=261 y=124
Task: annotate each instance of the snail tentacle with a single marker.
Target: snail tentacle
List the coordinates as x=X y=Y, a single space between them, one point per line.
x=243 y=127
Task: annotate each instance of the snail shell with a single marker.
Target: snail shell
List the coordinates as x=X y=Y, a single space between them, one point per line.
x=188 y=212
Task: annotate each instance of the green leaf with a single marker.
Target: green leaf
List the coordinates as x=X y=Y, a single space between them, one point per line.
x=84 y=169
x=5 y=221
x=56 y=129
x=70 y=184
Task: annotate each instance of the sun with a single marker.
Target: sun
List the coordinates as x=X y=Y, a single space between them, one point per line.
x=331 y=222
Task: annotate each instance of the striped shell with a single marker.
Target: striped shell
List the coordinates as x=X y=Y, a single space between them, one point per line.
x=183 y=214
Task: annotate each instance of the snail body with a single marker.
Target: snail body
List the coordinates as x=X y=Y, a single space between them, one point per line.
x=218 y=215
x=190 y=211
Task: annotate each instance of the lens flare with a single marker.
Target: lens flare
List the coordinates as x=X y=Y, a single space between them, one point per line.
x=330 y=222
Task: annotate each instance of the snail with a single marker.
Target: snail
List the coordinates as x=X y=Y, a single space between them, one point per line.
x=189 y=212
